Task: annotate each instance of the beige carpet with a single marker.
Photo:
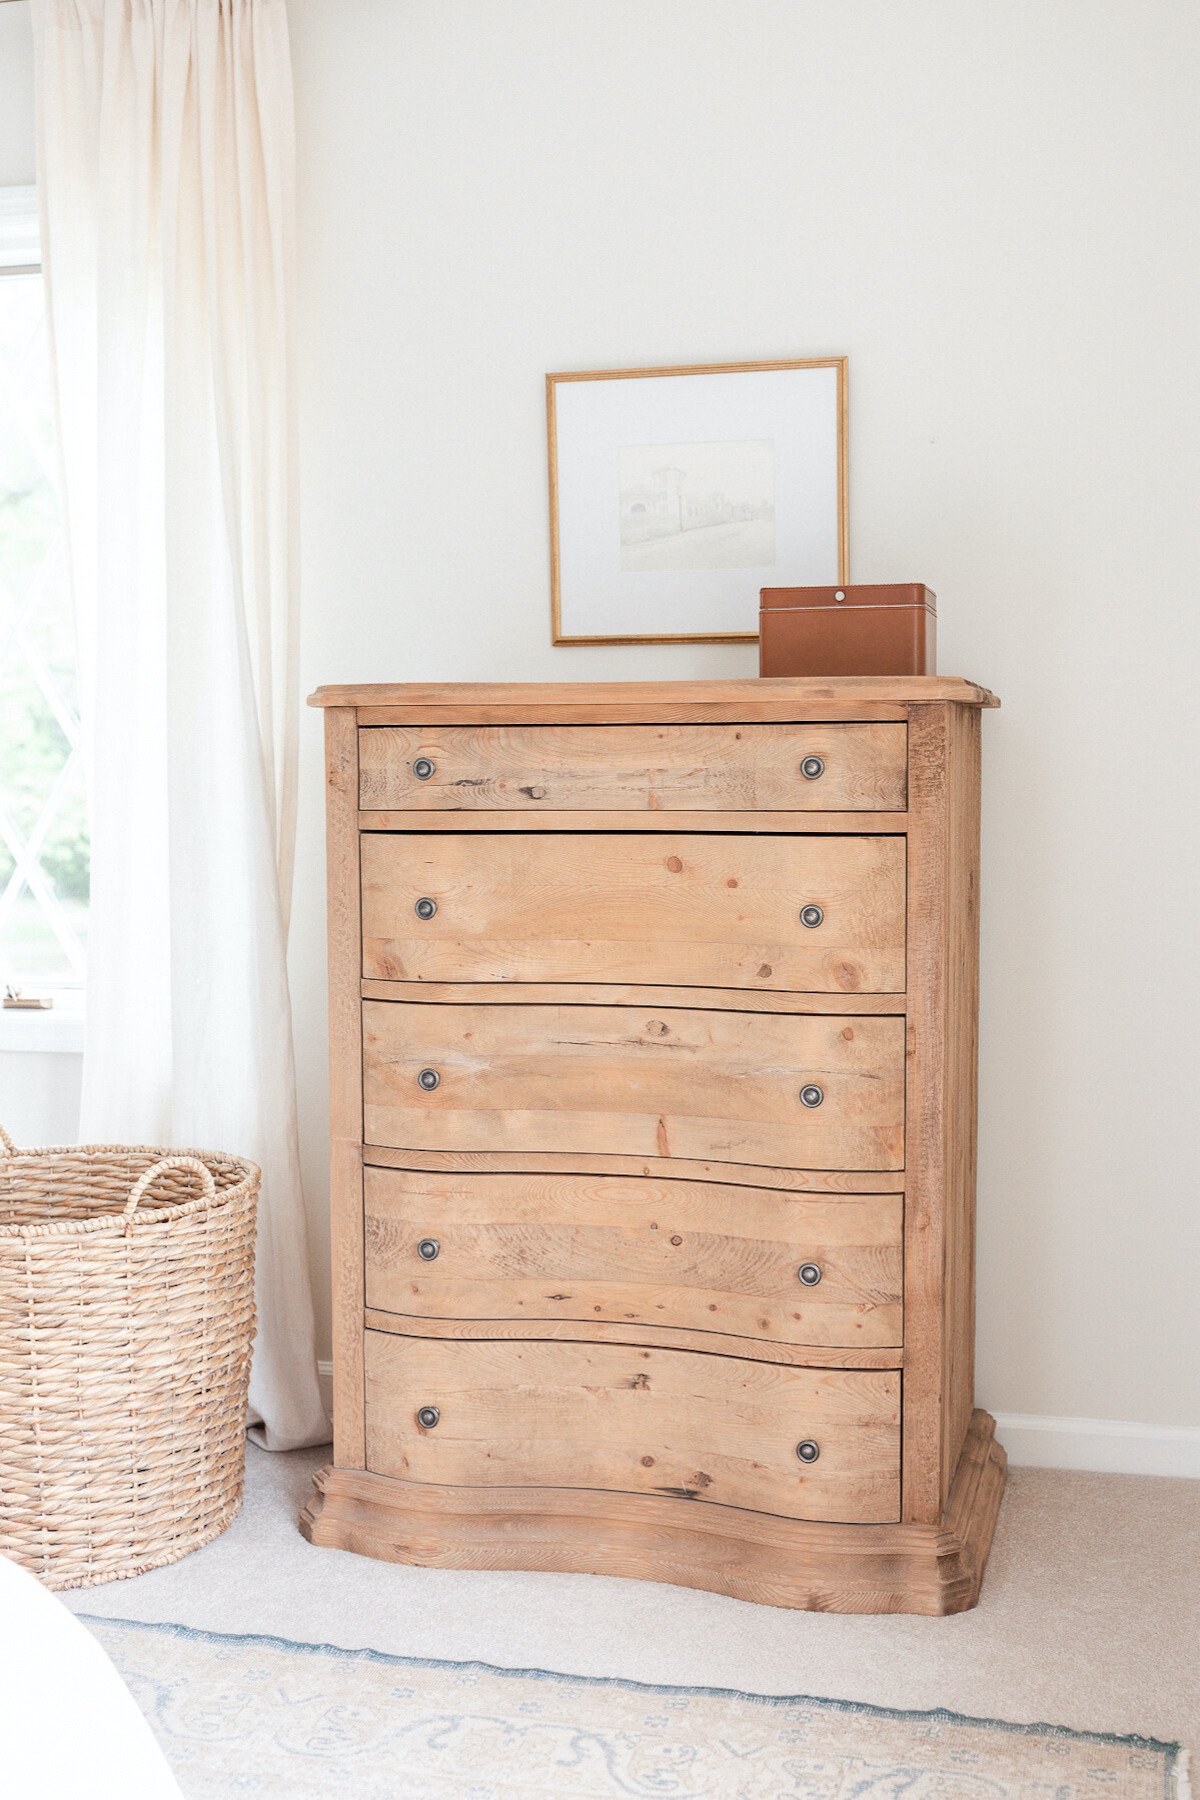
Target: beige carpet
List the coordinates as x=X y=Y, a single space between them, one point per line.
x=1090 y=1615
x=262 y=1719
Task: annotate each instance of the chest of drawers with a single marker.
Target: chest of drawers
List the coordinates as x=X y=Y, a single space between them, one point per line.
x=652 y=1016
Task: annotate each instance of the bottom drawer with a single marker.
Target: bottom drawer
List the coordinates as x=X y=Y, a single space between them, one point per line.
x=638 y=1421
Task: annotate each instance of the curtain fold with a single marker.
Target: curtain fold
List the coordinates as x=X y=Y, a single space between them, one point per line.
x=165 y=143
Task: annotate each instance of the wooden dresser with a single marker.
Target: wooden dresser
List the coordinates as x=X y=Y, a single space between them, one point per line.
x=653 y=1047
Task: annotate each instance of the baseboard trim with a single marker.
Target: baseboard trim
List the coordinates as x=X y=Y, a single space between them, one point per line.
x=1040 y=1441
x=1105 y=1446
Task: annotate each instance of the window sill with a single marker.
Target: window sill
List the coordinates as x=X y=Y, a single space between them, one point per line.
x=58 y=1031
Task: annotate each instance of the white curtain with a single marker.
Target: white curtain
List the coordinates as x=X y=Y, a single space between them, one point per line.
x=165 y=144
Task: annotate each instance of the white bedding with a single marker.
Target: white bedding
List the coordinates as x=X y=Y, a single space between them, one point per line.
x=69 y=1727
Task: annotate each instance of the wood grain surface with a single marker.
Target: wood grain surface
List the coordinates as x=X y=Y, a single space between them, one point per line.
x=695 y=1255
x=961 y=951
x=779 y=697
x=667 y=1082
x=694 y=910
x=649 y=1337
x=345 y=1083
x=906 y=1568
x=584 y=818
x=691 y=768
x=682 y=1168
x=621 y=1007
x=716 y=1429
x=939 y=1276
x=620 y=993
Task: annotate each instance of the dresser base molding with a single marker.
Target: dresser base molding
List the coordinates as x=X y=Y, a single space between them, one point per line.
x=932 y=1569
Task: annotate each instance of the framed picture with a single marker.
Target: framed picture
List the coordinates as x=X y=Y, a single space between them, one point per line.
x=675 y=494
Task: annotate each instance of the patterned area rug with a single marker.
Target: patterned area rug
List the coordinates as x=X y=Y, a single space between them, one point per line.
x=241 y=1717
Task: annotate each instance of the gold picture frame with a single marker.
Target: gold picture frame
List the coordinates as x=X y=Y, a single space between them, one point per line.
x=839 y=364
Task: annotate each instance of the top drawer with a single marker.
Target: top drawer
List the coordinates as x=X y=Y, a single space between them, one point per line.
x=657 y=768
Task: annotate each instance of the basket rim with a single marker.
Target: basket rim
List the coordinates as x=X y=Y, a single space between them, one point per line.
x=248 y=1184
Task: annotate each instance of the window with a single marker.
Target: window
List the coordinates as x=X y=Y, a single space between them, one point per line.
x=44 y=851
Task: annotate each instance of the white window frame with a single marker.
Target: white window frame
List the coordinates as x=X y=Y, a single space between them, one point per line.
x=20 y=235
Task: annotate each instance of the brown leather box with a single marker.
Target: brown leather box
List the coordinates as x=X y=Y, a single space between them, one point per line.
x=887 y=630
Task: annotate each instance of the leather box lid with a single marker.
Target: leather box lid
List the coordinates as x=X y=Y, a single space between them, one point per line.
x=896 y=593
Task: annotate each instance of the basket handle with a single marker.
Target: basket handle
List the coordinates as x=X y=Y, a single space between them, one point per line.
x=156 y=1169
x=10 y=1149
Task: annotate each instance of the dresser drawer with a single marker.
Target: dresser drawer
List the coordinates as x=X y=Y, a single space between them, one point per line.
x=803 y=914
x=636 y=1421
x=623 y=1080
x=820 y=1269
x=705 y=768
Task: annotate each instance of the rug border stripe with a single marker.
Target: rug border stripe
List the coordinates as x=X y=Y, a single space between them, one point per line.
x=1176 y=1764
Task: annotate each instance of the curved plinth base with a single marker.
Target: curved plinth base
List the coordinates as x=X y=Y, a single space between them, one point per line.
x=750 y=1556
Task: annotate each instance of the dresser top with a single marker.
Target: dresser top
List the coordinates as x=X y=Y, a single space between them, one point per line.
x=597 y=702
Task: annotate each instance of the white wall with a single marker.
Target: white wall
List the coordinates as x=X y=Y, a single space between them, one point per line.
x=39 y=1091
x=993 y=211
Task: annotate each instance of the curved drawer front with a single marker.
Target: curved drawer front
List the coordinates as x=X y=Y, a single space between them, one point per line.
x=706 y=768
x=622 y=1080
x=750 y=1262
x=612 y=1416
x=799 y=914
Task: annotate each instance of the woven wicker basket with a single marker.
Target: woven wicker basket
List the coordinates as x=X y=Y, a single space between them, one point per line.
x=126 y=1321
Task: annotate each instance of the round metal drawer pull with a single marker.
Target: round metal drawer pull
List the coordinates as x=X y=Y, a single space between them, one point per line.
x=425 y=907
x=809 y=915
x=809 y=1274
x=427 y=1249
x=811 y=1095
x=812 y=768
x=428 y=1417
x=808 y=1450
x=423 y=768
x=429 y=1078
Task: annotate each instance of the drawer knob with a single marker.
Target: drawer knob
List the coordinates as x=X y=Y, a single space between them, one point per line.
x=428 y=1417
x=809 y=1274
x=808 y=1450
x=809 y=915
x=429 y=1078
x=423 y=768
x=812 y=768
x=811 y=1094
x=425 y=907
x=428 y=1248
